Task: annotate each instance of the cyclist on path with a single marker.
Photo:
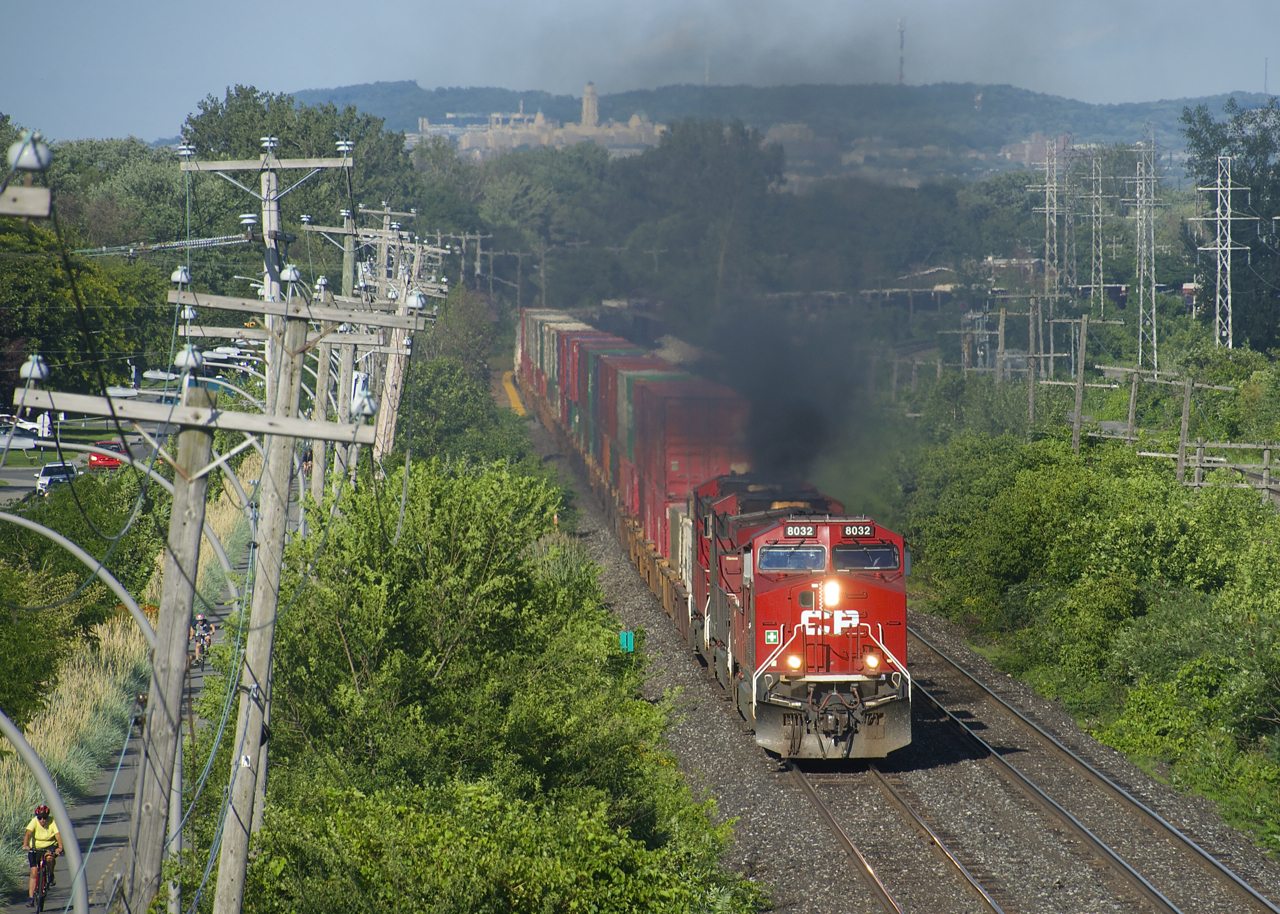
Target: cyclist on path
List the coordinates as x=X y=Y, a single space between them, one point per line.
x=41 y=838
x=202 y=634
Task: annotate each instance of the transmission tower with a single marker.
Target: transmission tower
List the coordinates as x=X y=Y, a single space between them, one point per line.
x=1145 y=182
x=1070 y=194
x=1097 y=213
x=1050 y=210
x=1223 y=245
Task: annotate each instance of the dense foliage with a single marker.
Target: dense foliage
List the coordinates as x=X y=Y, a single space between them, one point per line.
x=1147 y=608
x=52 y=600
x=108 y=310
x=455 y=726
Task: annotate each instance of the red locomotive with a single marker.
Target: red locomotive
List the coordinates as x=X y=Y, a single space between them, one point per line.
x=799 y=608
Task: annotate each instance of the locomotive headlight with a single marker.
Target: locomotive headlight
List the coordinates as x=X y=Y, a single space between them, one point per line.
x=830 y=593
x=794 y=661
x=871 y=661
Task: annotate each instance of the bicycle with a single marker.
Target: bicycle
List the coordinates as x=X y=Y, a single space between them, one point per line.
x=43 y=879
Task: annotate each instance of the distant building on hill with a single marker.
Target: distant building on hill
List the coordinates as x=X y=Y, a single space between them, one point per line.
x=506 y=132
x=1035 y=149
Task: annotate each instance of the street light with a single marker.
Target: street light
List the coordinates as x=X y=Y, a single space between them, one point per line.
x=362 y=404
x=34 y=368
x=188 y=359
x=29 y=154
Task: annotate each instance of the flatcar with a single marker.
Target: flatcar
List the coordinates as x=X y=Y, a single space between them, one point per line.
x=798 y=607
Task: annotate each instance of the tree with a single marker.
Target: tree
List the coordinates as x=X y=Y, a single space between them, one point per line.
x=233 y=127
x=447 y=412
x=115 y=318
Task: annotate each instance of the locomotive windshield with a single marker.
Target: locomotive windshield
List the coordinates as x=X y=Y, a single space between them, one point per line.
x=863 y=558
x=792 y=558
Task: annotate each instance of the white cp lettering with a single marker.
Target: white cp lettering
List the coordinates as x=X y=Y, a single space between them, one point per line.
x=844 y=619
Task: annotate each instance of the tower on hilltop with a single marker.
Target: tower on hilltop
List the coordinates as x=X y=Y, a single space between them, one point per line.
x=590 y=106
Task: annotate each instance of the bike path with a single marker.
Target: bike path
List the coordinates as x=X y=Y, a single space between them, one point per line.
x=108 y=863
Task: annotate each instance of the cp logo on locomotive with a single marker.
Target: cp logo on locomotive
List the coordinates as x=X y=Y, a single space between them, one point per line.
x=841 y=618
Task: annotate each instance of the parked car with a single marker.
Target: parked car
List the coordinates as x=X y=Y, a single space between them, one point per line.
x=102 y=461
x=53 y=474
x=21 y=425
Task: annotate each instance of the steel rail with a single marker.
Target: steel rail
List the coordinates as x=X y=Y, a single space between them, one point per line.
x=1135 y=806
x=1053 y=808
x=865 y=869
x=922 y=826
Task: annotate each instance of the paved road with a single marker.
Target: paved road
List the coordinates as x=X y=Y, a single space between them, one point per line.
x=21 y=480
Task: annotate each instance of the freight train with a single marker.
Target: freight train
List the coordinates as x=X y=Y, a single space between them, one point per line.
x=799 y=608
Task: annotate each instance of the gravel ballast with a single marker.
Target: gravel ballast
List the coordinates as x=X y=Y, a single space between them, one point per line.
x=781 y=841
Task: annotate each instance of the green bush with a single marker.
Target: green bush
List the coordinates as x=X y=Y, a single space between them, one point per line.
x=470 y=847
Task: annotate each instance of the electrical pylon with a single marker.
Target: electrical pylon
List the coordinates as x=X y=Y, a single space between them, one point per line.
x=1223 y=244
x=1145 y=182
x=1050 y=210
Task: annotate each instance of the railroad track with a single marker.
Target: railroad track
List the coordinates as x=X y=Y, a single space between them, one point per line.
x=866 y=870
x=1248 y=898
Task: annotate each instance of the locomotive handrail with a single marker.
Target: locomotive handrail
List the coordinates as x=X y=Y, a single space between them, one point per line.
x=902 y=667
x=760 y=670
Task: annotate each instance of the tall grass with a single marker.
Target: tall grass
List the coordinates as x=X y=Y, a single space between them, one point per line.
x=80 y=730
x=225 y=514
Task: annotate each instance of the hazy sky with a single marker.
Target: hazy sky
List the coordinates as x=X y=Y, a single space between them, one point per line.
x=140 y=66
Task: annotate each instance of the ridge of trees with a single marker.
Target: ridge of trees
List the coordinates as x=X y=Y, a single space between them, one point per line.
x=943 y=114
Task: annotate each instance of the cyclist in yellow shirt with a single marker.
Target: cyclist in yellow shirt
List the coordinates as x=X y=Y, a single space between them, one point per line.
x=42 y=837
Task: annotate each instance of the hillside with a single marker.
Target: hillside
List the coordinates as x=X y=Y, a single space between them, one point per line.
x=943 y=115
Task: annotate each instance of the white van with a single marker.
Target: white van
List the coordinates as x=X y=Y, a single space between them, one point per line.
x=52 y=474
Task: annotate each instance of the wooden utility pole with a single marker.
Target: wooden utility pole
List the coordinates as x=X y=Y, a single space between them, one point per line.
x=162 y=730
x=247 y=767
x=346 y=376
x=320 y=413
x=1033 y=315
x=1184 y=428
x=186 y=523
x=1000 y=349
x=1133 y=407
x=273 y=500
x=1077 y=418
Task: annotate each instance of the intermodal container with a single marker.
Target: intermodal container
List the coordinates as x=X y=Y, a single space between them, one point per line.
x=686 y=433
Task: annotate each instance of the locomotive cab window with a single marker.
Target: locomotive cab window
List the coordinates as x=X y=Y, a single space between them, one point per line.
x=871 y=557
x=792 y=558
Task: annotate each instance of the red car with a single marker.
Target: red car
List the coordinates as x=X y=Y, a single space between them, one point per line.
x=102 y=461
